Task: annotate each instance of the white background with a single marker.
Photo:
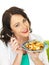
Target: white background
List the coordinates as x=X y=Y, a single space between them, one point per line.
x=37 y=11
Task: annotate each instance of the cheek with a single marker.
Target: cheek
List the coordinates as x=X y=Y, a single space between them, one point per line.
x=27 y=24
x=17 y=30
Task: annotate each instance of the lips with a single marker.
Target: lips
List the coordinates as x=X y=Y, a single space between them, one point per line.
x=25 y=31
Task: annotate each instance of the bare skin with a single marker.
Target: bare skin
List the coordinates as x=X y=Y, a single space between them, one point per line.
x=20 y=28
x=35 y=57
x=16 y=48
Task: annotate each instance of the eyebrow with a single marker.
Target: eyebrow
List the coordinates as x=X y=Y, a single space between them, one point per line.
x=18 y=22
x=15 y=23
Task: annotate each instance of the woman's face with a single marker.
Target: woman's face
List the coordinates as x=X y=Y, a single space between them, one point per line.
x=19 y=25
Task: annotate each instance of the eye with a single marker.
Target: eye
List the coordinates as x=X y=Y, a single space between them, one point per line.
x=24 y=20
x=17 y=25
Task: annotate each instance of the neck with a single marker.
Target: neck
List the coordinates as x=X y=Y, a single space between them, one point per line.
x=21 y=40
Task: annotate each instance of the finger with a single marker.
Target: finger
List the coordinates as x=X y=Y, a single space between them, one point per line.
x=13 y=41
x=15 y=47
x=20 y=48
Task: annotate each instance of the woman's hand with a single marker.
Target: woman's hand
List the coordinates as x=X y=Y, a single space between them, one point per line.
x=17 y=49
x=35 y=57
x=15 y=46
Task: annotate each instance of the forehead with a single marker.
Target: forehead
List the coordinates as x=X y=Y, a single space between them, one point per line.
x=16 y=18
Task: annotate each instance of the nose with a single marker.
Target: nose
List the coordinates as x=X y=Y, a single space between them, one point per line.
x=23 y=26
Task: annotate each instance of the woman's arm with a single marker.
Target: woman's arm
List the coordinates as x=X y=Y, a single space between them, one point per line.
x=17 y=49
x=35 y=58
x=38 y=62
x=18 y=59
x=4 y=58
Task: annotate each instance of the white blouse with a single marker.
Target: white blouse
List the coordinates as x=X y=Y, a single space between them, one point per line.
x=7 y=56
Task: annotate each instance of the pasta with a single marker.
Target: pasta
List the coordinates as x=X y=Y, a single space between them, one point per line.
x=34 y=45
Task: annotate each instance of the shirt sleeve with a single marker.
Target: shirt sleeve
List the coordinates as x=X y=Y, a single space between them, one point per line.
x=43 y=57
x=35 y=37
x=4 y=60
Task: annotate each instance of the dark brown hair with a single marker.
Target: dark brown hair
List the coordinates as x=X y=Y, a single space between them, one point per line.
x=6 y=22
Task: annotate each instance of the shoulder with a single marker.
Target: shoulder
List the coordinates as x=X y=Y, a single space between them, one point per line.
x=3 y=49
x=2 y=46
x=35 y=36
x=4 y=59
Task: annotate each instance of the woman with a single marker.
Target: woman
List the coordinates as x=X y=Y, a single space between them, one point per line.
x=15 y=31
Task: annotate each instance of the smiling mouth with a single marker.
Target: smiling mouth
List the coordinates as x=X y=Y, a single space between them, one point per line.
x=25 y=31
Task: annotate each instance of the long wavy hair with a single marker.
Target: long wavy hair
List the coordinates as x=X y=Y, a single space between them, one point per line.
x=6 y=32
